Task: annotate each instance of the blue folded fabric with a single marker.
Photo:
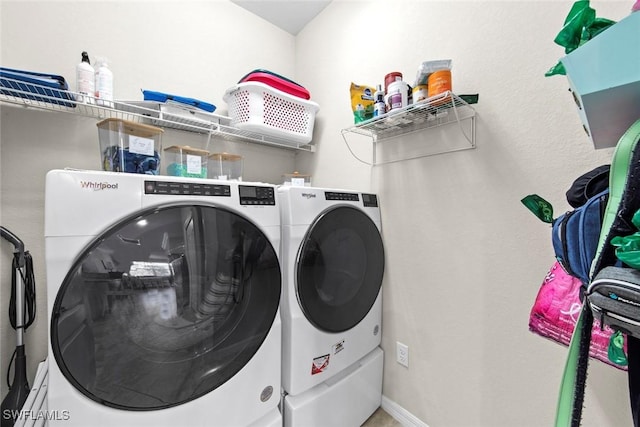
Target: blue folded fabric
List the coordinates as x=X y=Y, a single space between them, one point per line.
x=122 y=160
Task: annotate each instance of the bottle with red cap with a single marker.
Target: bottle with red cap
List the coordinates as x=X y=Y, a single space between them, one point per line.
x=390 y=78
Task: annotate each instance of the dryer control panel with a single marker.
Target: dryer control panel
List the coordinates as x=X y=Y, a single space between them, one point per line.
x=254 y=195
x=369 y=200
x=333 y=195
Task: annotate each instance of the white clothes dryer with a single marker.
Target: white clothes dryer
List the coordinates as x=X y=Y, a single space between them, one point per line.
x=333 y=263
x=163 y=301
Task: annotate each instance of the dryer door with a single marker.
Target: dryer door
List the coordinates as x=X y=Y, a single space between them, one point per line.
x=165 y=307
x=339 y=269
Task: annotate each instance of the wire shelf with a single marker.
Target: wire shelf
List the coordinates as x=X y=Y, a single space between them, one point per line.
x=436 y=111
x=166 y=115
x=440 y=110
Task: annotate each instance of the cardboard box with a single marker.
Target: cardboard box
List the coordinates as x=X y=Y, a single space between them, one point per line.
x=604 y=76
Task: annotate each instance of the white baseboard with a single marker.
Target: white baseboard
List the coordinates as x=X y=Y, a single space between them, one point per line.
x=404 y=417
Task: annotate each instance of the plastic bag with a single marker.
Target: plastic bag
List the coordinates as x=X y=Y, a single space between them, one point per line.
x=540 y=207
x=428 y=67
x=615 y=351
x=554 y=315
x=581 y=16
x=580 y=26
x=628 y=247
x=362 y=101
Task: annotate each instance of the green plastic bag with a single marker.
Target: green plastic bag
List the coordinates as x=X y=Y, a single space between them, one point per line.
x=580 y=16
x=615 y=350
x=580 y=26
x=628 y=247
x=540 y=207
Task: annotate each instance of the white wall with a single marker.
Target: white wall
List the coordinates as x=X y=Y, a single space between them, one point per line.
x=464 y=257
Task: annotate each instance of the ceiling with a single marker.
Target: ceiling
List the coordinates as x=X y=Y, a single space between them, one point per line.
x=291 y=16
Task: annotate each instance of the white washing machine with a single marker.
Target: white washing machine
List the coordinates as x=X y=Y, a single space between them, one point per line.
x=163 y=301
x=333 y=263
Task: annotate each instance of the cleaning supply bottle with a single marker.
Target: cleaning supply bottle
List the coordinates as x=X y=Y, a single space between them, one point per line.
x=636 y=6
x=379 y=108
x=85 y=80
x=104 y=83
x=398 y=91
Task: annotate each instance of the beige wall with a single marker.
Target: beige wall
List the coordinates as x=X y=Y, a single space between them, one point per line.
x=464 y=257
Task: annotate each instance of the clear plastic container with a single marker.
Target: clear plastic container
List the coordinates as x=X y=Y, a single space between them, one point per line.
x=129 y=147
x=225 y=166
x=296 y=179
x=186 y=161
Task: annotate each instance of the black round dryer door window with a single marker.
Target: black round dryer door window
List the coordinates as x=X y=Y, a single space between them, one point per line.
x=339 y=269
x=165 y=307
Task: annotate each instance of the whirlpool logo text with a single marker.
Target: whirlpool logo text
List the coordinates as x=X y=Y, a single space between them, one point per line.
x=308 y=195
x=98 y=186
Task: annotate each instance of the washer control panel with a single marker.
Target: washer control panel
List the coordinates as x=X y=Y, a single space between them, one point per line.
x=255 y=195
x=186 y=188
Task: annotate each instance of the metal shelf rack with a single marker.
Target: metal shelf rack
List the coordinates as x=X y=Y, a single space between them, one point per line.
x=165 y=115
x=441 y=110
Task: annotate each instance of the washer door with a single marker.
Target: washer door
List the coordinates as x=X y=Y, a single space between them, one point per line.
x=339 y=269
x=165 y=307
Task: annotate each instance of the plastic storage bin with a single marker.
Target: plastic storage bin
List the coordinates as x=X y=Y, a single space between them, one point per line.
x=186 y=161
x=130 y=147
x=225 y=166
x=604 y=75
x=259 y=108
x=297 y=179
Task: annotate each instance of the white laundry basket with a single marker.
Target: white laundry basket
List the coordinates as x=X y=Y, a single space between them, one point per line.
x=259 y=108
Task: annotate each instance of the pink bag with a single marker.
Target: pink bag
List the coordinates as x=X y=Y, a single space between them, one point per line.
x=555 y=313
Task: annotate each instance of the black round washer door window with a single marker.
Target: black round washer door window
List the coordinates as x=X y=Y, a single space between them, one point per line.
x=165 y=306
x=339 y=269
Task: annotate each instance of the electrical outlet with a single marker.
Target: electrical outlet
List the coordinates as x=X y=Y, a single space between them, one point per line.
x=402 y=354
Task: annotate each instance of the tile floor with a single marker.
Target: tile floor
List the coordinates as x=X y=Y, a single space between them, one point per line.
x=381 y=419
